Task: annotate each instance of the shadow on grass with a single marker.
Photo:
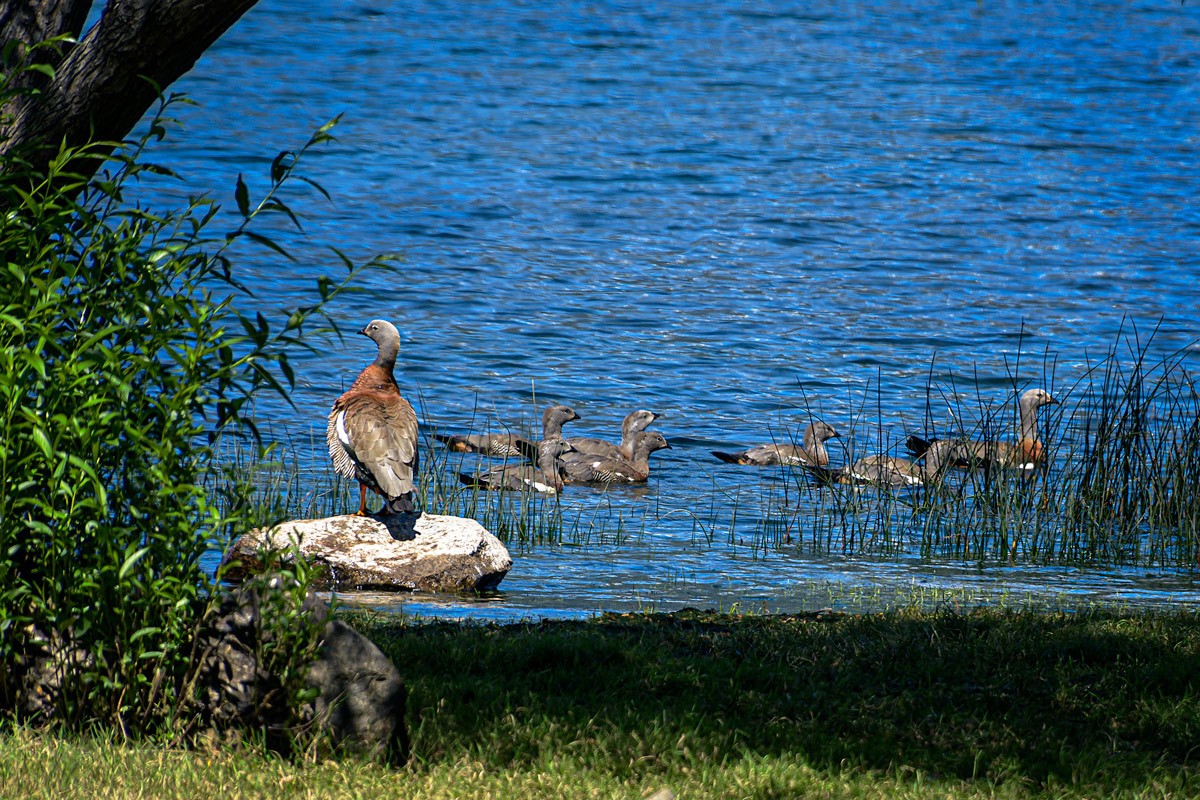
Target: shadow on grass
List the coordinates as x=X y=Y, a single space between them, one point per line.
x=1094 y=698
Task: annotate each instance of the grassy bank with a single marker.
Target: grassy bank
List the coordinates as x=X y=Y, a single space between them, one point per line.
x=903 y=704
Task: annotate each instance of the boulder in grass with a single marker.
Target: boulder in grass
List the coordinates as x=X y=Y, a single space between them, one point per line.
x=359 y=694
x=401 y=552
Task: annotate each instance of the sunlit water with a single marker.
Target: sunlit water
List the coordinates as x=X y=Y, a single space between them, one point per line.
x=726 y=214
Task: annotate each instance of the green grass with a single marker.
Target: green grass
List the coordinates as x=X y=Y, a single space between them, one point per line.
x=989 y=703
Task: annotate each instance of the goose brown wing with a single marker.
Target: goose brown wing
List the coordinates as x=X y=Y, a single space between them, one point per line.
x=382 y=441
x=771 y=454
x=588 y=468
x=595 y=446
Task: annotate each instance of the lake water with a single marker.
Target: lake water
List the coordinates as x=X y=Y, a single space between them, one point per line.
x=728 y=214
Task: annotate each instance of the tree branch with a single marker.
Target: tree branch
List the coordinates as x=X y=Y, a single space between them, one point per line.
x=108 y=81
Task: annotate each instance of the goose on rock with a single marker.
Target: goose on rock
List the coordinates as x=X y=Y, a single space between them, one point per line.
x=507 y=445
x=812 y=453
x=1025 y=454
x=635 y=422
x=372 y=430
x=589 y=468
x=546 y=477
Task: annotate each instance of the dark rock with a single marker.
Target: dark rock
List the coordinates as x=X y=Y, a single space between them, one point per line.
x=360 y=698
x=47 y=660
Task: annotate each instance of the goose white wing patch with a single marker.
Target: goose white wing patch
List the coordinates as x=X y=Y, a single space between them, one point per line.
x=342 y=435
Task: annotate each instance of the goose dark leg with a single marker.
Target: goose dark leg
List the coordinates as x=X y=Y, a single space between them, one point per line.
x=362 y=501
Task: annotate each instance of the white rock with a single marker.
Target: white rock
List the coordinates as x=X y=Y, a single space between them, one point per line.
x=403 y=552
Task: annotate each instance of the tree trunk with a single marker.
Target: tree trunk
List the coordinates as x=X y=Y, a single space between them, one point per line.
x=103 y=85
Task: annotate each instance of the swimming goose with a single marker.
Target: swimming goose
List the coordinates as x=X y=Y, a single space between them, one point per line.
x=813 y=452
x=888 y=471
x=505 y=445
x=500 y=445
x=589 y=468
x=635 y=422
x=553 y=419
x=546 y=477
x=372 y=430
x=1025 y=454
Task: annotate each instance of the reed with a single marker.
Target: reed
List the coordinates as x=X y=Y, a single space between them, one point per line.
x=1119 y=485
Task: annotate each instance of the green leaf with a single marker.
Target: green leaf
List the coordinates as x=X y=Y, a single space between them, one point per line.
x=242 y=195
x=142 y=632
x=281 y=166
x=131 y=562
x=45 y=69
x=43 y=442
x=263 y=240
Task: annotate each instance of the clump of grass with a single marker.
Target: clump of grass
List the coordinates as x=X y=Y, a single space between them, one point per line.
x=1135 y=467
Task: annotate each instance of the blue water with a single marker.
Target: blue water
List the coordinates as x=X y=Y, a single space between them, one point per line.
x=727 y=214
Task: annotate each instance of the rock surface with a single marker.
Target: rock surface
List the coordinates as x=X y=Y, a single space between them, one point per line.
x=403 y=552
x=360 y=696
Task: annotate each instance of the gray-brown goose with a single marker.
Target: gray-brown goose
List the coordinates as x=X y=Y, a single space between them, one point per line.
x=553 y=419
x=588 y=468
x=813 y=451
x=889 y=471
x=1025 y=454
x=499 y=445
x=507 y=445
x=372 y=430
x=546 y=477
x=635 y=422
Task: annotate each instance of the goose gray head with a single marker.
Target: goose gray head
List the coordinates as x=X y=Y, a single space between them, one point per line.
x=1037 y=397
x=385 y=335
x=820 y=431
x=637 y=421
x=561 y=413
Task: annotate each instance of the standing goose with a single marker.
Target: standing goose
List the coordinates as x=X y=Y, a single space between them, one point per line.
x=372 y=430
x=812 y=453
x=635 y=422
x=888 y=471
x=506 y=445
x=589 y=468
x=546 y=477
x=1024 y=454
